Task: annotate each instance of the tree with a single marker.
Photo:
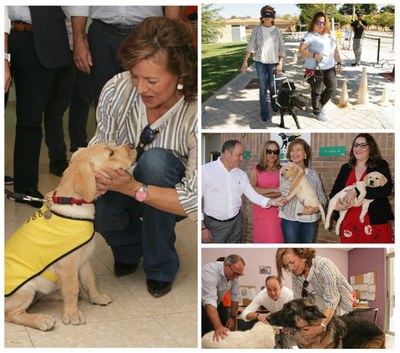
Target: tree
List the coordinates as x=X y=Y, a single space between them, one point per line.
x=211 y=22
x=385 y=20
x=388 y=8
x=308 y=11
x=347 y=9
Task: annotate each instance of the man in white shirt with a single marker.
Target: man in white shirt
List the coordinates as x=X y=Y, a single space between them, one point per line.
x=217 y=278
x=223 y=185
x=272 y=298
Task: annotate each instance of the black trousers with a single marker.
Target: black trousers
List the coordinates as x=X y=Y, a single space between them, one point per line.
x=104 y=44
x=33 y=85
x=81 y=100
x=322 y=88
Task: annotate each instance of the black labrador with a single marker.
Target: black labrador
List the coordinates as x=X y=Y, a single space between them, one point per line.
x=288 y=100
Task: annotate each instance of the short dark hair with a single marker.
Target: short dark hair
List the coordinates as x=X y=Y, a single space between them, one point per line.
x=273 y=277
x=230 y=145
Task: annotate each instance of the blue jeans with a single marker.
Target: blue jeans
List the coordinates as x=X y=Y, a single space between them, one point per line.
x=118 y=219
x=266 y=79
x=298 y=232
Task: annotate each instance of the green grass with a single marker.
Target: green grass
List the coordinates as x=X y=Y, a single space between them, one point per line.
x=220 y=64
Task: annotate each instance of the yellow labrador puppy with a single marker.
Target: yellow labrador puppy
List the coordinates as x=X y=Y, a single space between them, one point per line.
x=301 y=188
x=372 y=180
x=53 y=247
x=259 y=336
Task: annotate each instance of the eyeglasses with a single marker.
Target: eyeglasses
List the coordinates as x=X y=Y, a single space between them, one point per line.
x=363 y=146
x=304 y=291
x=275 y=152
x=146 y=137
x=321 y=23
x=237 y=274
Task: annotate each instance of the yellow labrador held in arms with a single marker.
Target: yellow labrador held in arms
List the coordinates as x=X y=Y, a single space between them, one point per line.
x=372 y=180
x=301 y=188
x=59 y=256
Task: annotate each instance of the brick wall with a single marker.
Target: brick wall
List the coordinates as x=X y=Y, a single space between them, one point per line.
x=326 y=167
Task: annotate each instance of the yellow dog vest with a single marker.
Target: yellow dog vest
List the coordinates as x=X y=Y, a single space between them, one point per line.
x=39 y=243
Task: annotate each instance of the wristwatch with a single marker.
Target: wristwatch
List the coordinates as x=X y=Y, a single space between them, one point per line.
x=7 y=56
x=141 y=194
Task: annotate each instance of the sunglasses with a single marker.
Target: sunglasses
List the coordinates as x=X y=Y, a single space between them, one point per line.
x=304 y=291
x=363 y=146
x=146 y=137
x=237 y=274
x=321 y=23
x=275 y=152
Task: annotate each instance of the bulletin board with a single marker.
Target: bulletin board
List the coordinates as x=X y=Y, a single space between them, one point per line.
x=246 y=295
x=364 y=285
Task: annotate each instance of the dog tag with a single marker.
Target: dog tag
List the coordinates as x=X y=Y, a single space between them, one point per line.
x=47 y=214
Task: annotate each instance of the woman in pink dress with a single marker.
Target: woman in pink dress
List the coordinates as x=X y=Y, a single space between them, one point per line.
x=265 y=179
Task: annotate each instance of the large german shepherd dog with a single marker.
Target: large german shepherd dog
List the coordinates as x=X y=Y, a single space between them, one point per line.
x=341 y=332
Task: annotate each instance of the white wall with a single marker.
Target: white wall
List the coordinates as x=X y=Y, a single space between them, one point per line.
x=255 y=257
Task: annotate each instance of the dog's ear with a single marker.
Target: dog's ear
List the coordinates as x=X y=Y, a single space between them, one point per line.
x=292 y=86
x=383 y=180
x=84 y=182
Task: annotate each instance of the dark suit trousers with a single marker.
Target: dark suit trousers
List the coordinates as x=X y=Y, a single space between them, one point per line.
x=33 y=84
x=57 y=104
x=103 y=45
x=82 y=98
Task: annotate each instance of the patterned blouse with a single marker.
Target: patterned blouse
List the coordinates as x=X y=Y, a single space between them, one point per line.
x=327 y=288
x=121 y=117
x=257 y=41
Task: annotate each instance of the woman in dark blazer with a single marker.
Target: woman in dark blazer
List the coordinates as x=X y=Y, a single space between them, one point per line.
x=365 y=157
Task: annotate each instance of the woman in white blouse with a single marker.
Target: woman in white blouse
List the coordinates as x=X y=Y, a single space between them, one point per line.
x=266 y=45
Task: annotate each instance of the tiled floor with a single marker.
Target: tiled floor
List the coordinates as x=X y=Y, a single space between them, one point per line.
x=134 y=318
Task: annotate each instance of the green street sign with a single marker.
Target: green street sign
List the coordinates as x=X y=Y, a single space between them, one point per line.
x=332 y=151
x=246 y=155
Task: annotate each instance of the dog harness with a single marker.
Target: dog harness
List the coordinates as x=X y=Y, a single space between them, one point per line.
x=39 y=243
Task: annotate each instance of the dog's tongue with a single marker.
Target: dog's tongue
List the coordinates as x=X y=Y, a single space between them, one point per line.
x=303 y=108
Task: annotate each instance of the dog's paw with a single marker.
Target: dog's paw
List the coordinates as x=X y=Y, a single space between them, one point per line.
x=101 y=299
x=75 y=317
x=45 y=322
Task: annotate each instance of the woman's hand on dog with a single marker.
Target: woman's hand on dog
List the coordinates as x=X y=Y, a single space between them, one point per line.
x=346 y=202
x=115 y=180
x=311 y=332
x=307 y=210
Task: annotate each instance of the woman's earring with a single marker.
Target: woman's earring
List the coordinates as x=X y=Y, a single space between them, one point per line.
x=305 y=157
x=179 y=86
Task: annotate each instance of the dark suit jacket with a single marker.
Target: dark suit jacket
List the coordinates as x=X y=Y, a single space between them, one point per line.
x=379 y=211
x=50 y=36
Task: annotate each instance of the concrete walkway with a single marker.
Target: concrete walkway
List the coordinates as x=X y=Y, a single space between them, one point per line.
x=235 y=107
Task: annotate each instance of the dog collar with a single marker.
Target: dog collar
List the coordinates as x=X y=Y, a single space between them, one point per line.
x=68 y=200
